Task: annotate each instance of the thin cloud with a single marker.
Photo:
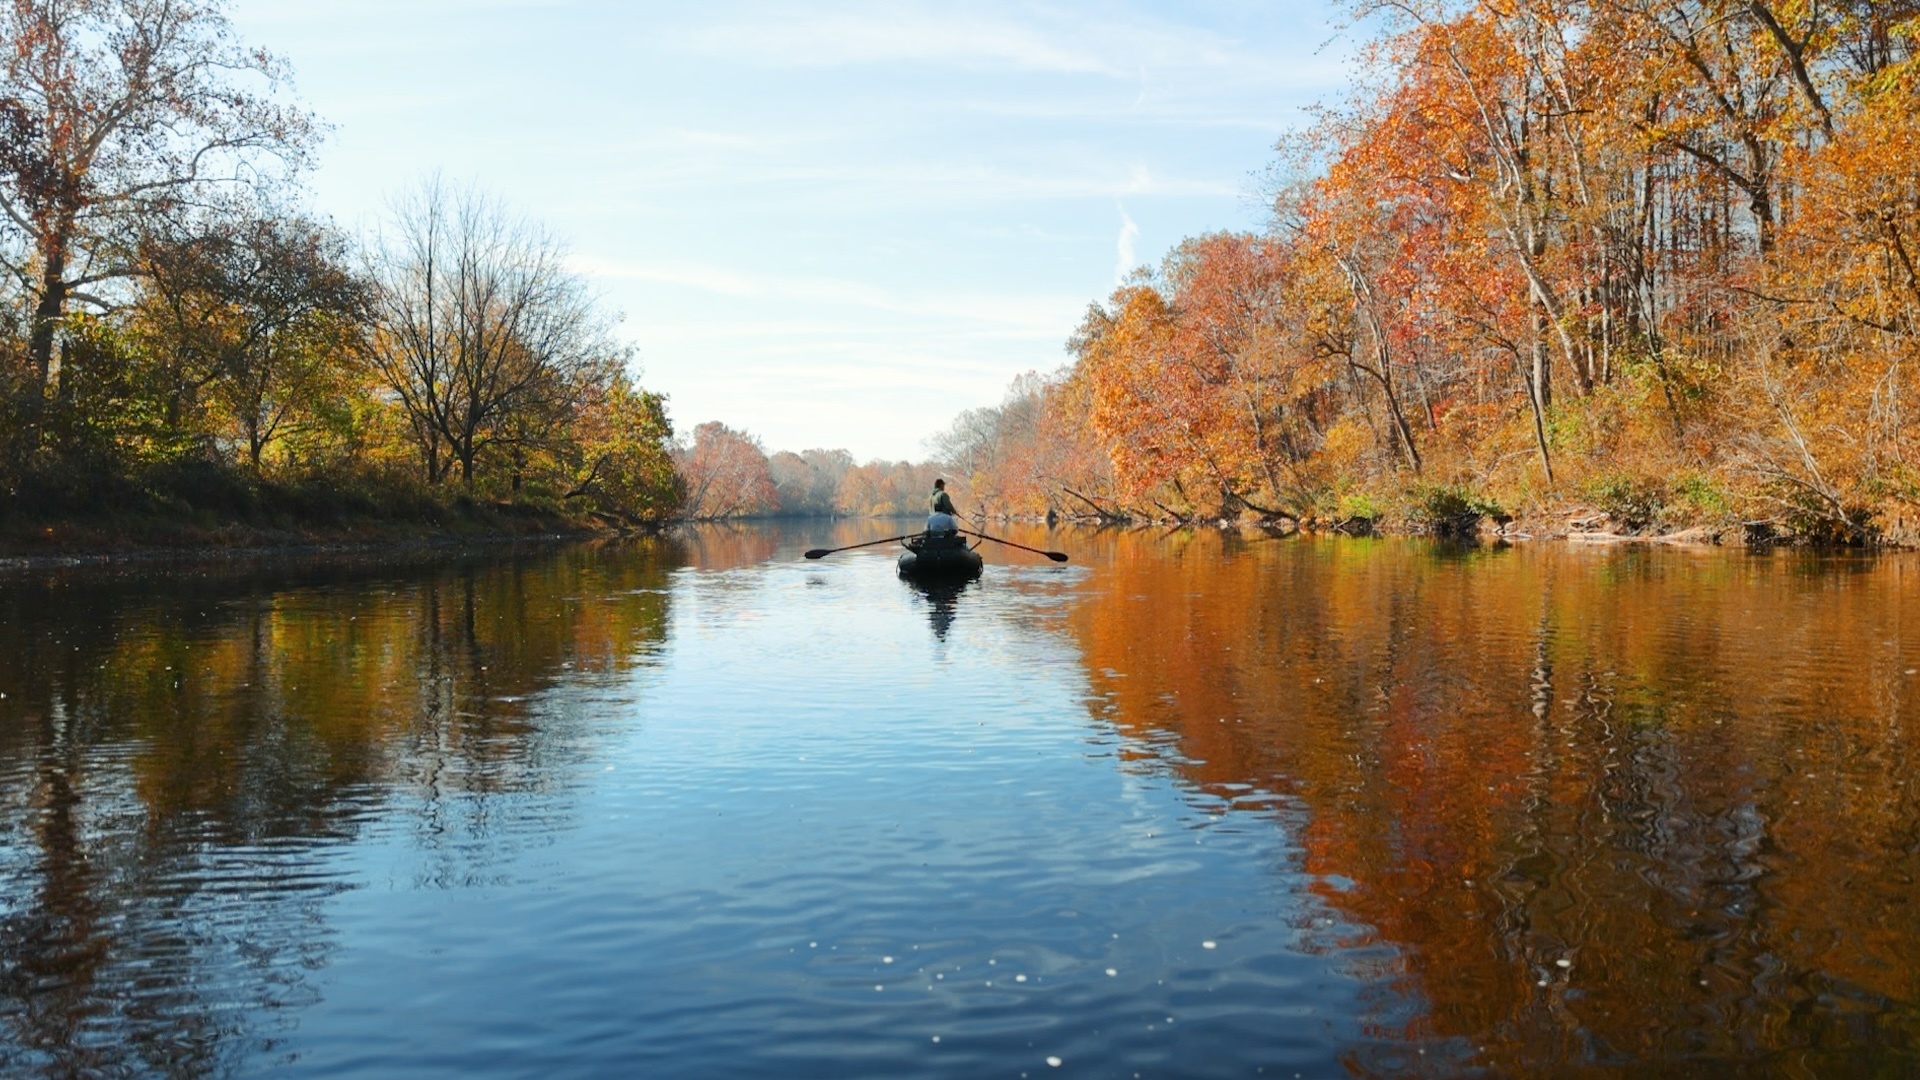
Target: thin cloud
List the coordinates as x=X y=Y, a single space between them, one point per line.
x=835 y=40
x=795 y=36
x=948 y=169
x=892 y=183
x=1038 y=315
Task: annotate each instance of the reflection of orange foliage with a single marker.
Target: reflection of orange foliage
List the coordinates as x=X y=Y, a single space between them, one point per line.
x=1687 y=778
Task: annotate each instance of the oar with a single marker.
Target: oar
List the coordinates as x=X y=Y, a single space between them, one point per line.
x=820 y=553
x=1056 y=556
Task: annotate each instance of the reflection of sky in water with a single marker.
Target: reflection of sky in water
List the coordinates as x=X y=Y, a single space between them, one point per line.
x=1186 y=806
x=814 y=838
x=804 y=834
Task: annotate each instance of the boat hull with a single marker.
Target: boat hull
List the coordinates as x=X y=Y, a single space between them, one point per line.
x=940 y=558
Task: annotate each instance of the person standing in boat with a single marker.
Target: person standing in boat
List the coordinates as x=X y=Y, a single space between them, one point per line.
x=943 y=518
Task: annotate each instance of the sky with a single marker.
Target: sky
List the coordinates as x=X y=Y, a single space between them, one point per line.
x=831 y=224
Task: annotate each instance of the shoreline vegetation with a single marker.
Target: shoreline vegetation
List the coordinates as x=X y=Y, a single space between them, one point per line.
x=1638 y=270
x=1621 y=273
x=1610 y=273
x=190 y=357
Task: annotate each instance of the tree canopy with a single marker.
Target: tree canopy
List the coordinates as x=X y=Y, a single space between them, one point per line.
x=169 y=305
x=1656 y=256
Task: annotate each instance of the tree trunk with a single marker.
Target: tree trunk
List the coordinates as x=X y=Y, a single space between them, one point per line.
x=1540 y=390
x=47 y=312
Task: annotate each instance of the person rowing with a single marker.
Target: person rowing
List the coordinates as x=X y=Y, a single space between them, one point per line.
x=943 y=518
x=942 y=537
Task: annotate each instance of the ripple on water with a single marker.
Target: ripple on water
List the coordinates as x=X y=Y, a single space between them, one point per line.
x=1192 y=807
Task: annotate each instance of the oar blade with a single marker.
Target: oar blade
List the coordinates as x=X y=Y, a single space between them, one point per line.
x=819 y=553
x=1056 y=556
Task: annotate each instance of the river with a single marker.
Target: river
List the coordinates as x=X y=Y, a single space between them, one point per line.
x=1191 y=804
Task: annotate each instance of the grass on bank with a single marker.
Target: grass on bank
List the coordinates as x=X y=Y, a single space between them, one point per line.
x=198 y=504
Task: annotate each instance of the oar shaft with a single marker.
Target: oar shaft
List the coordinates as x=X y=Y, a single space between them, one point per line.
x=1056 y=556
x=818 y=553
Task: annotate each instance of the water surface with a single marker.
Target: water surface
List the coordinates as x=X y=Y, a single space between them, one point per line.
x=1191 y=805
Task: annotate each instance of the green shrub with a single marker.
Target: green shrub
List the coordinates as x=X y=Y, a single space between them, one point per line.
x=1358 y=506
x=1450 y=509
x=1635 y=502
x=1695 y=497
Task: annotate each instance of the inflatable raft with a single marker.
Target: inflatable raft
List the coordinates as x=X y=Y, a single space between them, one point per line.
x=939 y=556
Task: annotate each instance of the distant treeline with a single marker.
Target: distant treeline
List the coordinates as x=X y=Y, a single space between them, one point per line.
x=726 y=473
x=177 y=330
x=1657 y=257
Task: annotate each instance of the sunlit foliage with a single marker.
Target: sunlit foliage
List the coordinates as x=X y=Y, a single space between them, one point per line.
x=1656 y=256
x=177 y=334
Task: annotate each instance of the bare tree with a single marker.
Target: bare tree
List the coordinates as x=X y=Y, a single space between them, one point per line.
x=485 y=337
x=726 y=474
x=971 y=445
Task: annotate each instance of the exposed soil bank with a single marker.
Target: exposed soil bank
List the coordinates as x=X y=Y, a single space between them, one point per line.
x=265 y=549
x=108 y=538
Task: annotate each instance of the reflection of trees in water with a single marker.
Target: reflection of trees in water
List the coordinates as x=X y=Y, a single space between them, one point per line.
x=135 y=939
x=179 y=757
x=1688 y=779
x=724 y=545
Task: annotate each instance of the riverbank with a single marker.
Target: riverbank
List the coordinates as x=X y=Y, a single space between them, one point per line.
x=143 y=525
x=149 y=534
x=1572 y=523
x=1618 y=511
x=285 y=546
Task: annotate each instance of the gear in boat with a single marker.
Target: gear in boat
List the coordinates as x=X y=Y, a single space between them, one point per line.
x=938 y=554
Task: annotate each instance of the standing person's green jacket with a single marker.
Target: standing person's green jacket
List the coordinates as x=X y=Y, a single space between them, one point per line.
x=943 y=517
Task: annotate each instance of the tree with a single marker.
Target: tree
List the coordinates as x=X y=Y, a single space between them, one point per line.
x=726 y=474
x=623 y=459
x=1837 y=324
x=1668 y=249
x=972 y=444
x=1034 y=453
x=807 y=482
x=484 y=336
x=112 y=114
x=261 y=309
x=1202 y=381
x=893 y=489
